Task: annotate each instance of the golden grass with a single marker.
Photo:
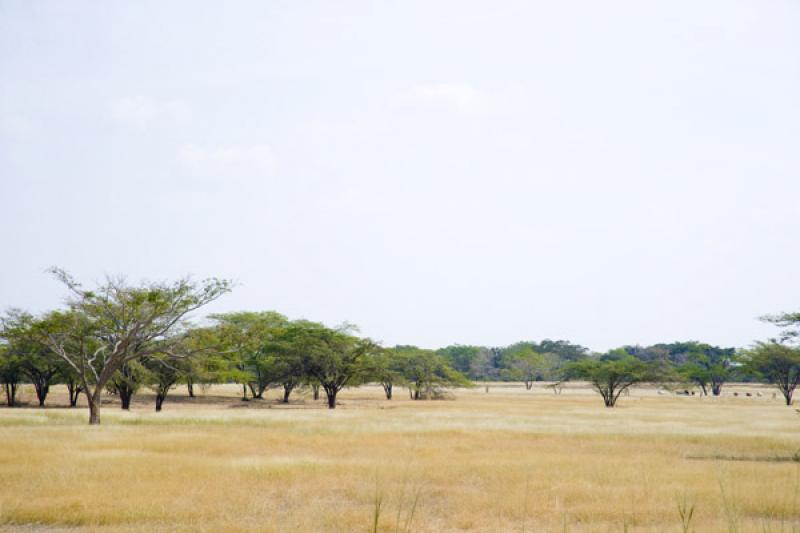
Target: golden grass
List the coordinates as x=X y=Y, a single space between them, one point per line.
x=509 y=460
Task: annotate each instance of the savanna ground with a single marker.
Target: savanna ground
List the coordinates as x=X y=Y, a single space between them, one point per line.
x=509 y=460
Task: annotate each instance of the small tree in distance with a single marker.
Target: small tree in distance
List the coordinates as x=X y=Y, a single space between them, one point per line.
x=612 y=374
x=528 y=366
x=777 y=363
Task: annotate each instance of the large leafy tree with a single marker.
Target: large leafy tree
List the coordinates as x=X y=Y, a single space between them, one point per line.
x=10 y=373
x=777 y=363
x=709 y=367
x=527 y=365
x=130 y=322
x=127 y=381
x=334 y=357
x=164 y=372
x=245 y=338
x=612 y=374
x=426 y=373
x=287 y=355
x=39 y=365
x=463 y=358
x=206 y=364
x=386 y=368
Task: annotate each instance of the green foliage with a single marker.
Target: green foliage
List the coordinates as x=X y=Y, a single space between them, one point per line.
x=335 y=358
x=10 y=373
x=462 y=358
x=613 y=373
x=245 y=338
x=527 y=365
x=708 y=366
x=776 y=363
x=129 y=323
x=385 y=366
x=427 y=373
x=789 y=324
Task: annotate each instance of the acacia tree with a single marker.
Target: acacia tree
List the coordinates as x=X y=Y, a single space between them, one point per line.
x=164 y=372
x=385 y=367
x=205 y=363
x=612 y=374
x=789 y=324
x=709 y=367
x=777 y=363
x=287 y=356
x=129 y=322
x=10 y=373
x=35 y=360
x=127 y=381
x=528 y=365
x=334 y=357
x=244 y=339
x=426 y=372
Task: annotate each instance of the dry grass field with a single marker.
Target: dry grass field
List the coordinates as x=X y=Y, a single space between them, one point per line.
x=509 y=460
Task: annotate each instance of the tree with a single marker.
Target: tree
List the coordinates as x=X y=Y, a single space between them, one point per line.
x=245 y=336
x=334 y=358
x=164 y=372
x=386 y=367
x=463 y=358
x=127 y=381
x=562 y=349
x=611 y=374
x=287 y=356
x=10 y=373
x=486 y=364
x=789 y=324
x=205 y=364
x=77 y=336
x=777 y=363
x=36 y=361
x=708 y=367
x=427 y=372
x=130 y=323
x=528 y=365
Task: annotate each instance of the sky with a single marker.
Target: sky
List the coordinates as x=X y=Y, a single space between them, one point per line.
x=435 y=172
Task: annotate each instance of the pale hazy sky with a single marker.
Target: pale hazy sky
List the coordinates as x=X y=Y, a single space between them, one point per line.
x=435 y=172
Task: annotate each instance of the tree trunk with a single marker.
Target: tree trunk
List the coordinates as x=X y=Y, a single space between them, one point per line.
x=315 y=391
x=244 y=393
x=331 y=398
x=787 y=394
x=190 y=387
x=387 y=388
x=94 y=410
x=125 y=395
x=41 y=392
x=528 y=385
x=609 y=398
x=254 y=392
x=287 y=390
x=716 y=389
x=159 y=400
x=11 y=394
x=74 y=390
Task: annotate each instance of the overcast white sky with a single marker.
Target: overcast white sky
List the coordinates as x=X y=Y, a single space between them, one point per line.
x=435 y=172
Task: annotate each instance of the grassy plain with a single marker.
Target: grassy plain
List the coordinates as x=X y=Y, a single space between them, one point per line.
x=509 y=460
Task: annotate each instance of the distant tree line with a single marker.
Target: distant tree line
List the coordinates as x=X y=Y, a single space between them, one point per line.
x=118 y=338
